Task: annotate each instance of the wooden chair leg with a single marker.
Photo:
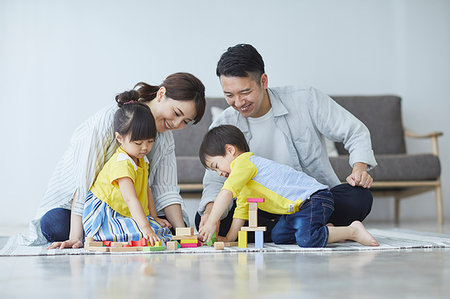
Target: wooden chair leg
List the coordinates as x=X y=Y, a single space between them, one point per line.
x=439 y=205
x=397 y=209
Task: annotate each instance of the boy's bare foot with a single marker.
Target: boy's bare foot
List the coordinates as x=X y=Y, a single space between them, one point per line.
x=361 y=235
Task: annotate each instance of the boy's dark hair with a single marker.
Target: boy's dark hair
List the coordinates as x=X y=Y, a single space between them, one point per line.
x=214 y=142
x=136 y=118
x=241 y=60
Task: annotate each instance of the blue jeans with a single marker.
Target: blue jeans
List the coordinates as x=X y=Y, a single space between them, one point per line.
x=55 y=225
x=306 y=227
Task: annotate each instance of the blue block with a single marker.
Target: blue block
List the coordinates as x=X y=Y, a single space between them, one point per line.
x=259 y=239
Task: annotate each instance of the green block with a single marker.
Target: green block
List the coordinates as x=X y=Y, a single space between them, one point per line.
x=213 y=239
x=153 y=248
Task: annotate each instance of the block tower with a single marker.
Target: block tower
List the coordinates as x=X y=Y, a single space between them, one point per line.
x=252 y=225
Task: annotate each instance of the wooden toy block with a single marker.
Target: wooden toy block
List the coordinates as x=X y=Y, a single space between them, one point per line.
x=252 y=206
x=230 y=244
x=118 y=244
x=219 y=245
x=188 y=241
x=254 y=229
x=252 y=218
x=178 y=238
x=242 y=239
x=99 y=249
x=88 y=239
x=213 y=239
x=153 y=248
x=184 y=231
x=259 y=239
x=172 y=245
x=255 y=199
x=125 y=249
x=93 y=244
x=189 y=245
x=158 y=243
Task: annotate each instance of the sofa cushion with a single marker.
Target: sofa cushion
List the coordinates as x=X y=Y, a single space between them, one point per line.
x=187 y=143
x=417 y=167
x=382 y=116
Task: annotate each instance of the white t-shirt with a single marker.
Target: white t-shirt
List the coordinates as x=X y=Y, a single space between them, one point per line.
x=267 y=140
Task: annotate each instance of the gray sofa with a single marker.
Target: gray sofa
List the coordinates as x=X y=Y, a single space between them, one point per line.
x=398 y=174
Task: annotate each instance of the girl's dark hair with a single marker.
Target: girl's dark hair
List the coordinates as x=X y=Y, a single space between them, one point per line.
x=214 y=142
x=137 y=119
x=242 y=60
x=179 y=87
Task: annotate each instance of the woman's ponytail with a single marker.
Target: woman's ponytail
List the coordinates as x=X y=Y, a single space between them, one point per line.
x=141 y=92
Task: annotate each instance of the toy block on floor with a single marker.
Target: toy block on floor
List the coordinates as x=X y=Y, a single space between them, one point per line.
x=184 y=231
x=118 y=244
x=242 y=239
x=259 y=239
x=213 y=239
x=153 y=248
x=189 y=245
x=254 y=229
x=219 y=245
x=98 y=249
x=230 y=244
x=188 y=241
x=172 y=245
x=178 y=238
x=255 y=199
x=124 y=249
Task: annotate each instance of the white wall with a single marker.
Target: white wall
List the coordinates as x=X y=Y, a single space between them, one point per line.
x=60 y=61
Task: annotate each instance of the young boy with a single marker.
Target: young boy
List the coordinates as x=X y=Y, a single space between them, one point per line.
x=304 y=203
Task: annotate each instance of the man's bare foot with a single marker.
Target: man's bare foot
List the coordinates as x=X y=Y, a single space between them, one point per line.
x=361 y=235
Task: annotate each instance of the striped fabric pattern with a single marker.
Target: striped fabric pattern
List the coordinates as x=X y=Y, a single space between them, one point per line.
x=102 y=223
x=91 y=145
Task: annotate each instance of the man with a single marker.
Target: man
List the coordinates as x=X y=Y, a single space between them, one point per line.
x=288 y=125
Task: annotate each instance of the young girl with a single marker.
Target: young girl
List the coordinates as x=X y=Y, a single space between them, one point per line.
x=119 y=206
x=304 y=204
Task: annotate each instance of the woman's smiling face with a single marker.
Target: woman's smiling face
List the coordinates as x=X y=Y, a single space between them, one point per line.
x=170 y=114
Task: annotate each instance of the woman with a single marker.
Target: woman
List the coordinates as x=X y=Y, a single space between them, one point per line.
x=179 y=100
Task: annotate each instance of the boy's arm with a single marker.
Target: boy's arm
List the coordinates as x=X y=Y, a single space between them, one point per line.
x=234 y=229
x=220 y=204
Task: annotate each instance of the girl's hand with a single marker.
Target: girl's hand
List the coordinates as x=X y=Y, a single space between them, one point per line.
x=163 y=222
x=151 y=236
x=73 y=243
x=206 y=231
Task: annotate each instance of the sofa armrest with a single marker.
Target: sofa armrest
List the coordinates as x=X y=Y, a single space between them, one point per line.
x=433 y=135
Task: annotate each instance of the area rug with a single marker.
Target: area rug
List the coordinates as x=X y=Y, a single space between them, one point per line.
x=389 y=239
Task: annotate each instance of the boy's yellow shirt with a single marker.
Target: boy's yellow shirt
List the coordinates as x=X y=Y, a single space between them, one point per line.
x=121 y=165
x=283 y=188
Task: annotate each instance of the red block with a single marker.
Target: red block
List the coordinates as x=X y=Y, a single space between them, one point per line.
x=189 y=245
x=255 y=199
x=107 y=243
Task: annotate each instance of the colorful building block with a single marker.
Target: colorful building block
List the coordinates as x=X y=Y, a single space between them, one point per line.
x=189 y=245
x=184 y=231
x=172 y=245
x=255 y=199
x=242 y=239
x=188 y=241
x=153 y=248
x=219 y=246
x=254 y=229
x=213 y=239
x=259 y=239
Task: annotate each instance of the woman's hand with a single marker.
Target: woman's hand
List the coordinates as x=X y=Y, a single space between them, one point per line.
x=72 y=243
x=163 y=222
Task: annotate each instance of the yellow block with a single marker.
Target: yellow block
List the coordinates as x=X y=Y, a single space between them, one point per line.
x=242 y=239
x=159 y=243
x=188 y=241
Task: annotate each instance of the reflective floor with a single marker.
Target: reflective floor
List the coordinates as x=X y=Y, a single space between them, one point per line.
x=392 y=274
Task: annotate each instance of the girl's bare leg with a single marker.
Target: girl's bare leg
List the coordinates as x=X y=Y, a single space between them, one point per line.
x=355 y=231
